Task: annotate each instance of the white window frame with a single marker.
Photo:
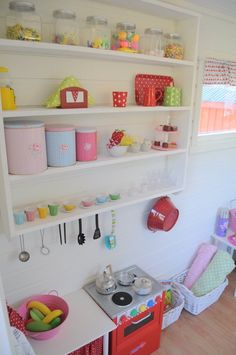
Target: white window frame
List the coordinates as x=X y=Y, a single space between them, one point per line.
x=211 y=141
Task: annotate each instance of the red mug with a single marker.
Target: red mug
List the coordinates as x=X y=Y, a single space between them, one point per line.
x=152 y=96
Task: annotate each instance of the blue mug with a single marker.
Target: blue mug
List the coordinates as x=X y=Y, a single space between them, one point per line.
x=19 y=217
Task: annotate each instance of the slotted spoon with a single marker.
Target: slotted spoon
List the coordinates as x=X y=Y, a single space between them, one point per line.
x=81 y=236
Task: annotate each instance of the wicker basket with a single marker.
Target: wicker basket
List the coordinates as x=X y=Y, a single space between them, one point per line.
x=194 y=304
x=173 y=314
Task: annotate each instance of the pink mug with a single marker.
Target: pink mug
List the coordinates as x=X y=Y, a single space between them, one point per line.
x=152 y=96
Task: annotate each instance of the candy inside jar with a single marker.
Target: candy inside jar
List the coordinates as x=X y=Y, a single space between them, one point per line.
x=174 y=47
x=125 y=38
x=22 y=22
x=66 y=27
x=96 y=33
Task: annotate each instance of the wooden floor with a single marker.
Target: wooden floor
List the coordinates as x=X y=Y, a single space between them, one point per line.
x=213 y=332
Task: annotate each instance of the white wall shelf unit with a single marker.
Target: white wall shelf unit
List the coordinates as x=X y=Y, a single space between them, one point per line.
x=36 y=70
x=25 y=111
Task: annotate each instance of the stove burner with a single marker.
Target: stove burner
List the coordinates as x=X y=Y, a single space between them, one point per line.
x=122 y=298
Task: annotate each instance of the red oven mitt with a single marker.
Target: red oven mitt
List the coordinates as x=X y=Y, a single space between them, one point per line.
x=93 y=348
x=15 y=319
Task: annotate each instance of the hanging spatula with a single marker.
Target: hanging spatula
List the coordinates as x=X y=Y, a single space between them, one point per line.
x=97 y=232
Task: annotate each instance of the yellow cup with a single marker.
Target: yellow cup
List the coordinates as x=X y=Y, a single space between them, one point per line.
x=42 y=211
x=8 y=98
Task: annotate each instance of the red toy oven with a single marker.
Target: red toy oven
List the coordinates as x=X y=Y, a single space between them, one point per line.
x=138 y=313
x=139 y=335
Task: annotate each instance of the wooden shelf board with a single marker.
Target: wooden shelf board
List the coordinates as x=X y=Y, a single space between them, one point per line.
x=31 y=111
x=54 y=49
x=102 y=161
x=64 y=217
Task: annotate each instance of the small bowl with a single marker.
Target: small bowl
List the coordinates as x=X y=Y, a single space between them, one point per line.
x=118 y=150
x=114 y=196
x=69 y=206
x=101 y=198
x=87 y=201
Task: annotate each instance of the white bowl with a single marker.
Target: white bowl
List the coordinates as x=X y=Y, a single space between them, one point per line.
x=118 y=150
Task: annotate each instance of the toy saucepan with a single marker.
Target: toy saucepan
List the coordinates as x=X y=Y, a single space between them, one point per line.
x=163 y=215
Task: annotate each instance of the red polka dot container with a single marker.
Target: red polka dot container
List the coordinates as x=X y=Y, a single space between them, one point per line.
x=119 y=98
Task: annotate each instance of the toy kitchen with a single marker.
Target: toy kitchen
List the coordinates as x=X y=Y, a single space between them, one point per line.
x=134 y=301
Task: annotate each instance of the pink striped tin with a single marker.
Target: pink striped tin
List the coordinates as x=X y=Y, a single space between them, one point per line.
x=86 y=144
x=26 y=147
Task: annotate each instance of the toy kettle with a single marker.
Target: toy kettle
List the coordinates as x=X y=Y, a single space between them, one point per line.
x=105 y=282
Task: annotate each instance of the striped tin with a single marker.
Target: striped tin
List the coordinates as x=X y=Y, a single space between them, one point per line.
x=25 y=146
x=60 y=142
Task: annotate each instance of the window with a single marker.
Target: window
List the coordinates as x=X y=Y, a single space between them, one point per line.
x=218 y=103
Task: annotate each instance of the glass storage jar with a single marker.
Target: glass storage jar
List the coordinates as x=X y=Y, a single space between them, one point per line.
x=125 y=38
x=66 y=28
x=152 y=42
x=174 y=46
x=96 y=33
x=22 y=22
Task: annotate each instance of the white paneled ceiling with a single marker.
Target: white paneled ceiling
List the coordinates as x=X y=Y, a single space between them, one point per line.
x=226 y=7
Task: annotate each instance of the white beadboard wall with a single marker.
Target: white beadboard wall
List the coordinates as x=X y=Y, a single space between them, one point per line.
x=210 y=184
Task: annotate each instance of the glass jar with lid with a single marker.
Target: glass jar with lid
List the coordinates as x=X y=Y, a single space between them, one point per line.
x=96 y=33
x=22 y=22
x=174 y=47
x=66 y=28
x=152 y=42
x=125 y=38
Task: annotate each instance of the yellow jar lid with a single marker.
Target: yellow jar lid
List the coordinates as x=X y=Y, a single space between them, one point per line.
x=3 y=70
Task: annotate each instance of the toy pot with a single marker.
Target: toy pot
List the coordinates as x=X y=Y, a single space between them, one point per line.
x=163 y=215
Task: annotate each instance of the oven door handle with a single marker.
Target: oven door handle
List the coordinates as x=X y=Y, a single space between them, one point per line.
x=142 y=319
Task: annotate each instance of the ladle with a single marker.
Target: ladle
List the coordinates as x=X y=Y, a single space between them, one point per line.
x=24 y=255
x=44 y=250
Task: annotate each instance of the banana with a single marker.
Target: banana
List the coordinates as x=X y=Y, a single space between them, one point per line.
x=40 y=306
x=52 y=315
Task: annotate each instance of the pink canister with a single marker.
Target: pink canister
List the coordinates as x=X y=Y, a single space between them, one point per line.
x=26 y=147
x=86 y=144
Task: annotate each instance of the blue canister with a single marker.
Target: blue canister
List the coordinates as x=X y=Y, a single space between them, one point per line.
x=60 y=142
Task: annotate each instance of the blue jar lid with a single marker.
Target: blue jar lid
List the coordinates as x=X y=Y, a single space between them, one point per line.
x=23 y=124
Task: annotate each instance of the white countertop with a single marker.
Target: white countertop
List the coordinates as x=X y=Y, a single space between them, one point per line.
x=86 y=322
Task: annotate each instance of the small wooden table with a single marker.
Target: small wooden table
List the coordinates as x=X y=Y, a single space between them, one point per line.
x=86 y=322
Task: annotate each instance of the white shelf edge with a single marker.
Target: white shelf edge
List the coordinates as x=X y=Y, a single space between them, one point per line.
x=103 y=161
x=64 y=217
x=42 y=48
x=224 y=240
x=30 y=111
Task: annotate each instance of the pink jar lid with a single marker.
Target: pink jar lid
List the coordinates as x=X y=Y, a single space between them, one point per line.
x=23 y=124
x=86 y=129
x=59 y=128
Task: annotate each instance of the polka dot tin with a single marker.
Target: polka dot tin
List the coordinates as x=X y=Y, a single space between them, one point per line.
x=119 y=98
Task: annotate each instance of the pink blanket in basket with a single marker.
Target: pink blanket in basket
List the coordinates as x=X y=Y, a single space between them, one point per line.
x=204 y=255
